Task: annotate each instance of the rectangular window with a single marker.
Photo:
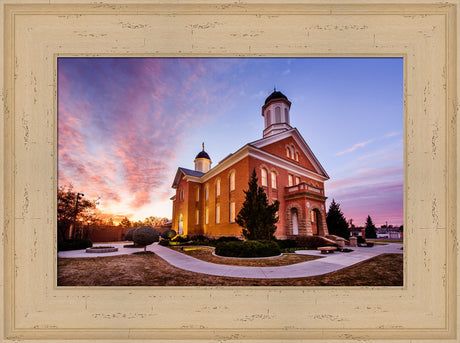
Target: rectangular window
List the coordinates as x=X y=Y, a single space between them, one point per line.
x=297 y=180
x=217 y=214
x=232 y=181
x=197 y=217
x=198 y=194
x=218 y=188
x=264 y=177
x=206 y=216
x=273 y=176
x=290 y=180
x=206 y=192
x=232 y=212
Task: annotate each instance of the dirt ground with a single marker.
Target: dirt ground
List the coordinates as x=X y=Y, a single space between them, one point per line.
x=151 y=270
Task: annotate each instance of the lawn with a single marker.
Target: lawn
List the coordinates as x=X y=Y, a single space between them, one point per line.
x=151 y=270
x=205 y=254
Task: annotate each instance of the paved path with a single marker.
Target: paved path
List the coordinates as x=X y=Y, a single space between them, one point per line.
x=329 y=263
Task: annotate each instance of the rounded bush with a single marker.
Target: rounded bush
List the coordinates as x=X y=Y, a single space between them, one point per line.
x=179 y=239
x=145 y=235
x=168 y=234
x=248 y=249
x=164 y=242
x=129 y=234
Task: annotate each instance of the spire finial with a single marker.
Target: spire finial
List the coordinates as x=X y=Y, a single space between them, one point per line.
x=274 y=88
x=202 y=144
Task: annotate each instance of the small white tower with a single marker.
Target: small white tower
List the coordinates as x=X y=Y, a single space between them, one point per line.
x=202 y=161
x=276 y=113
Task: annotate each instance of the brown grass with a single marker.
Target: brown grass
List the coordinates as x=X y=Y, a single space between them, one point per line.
x=205 y=254
x=151 y=270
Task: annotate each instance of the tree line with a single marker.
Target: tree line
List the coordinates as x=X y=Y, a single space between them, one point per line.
x=338 y=225
x=75 y=211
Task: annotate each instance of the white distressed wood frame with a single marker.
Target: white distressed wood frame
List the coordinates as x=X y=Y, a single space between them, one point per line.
x=34 y=34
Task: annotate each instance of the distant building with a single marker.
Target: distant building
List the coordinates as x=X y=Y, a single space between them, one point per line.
x=207 y=200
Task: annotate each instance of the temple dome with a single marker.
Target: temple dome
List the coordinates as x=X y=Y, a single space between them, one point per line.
x=275 y=95
x=203 y=154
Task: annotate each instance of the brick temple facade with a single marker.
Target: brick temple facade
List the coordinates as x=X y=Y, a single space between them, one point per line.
x=207 y=200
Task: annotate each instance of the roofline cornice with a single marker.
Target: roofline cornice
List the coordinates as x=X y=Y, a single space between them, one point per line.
x=226 y=163
x=288 y=165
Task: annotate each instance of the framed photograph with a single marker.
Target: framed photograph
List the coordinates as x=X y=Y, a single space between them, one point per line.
x=37 y=37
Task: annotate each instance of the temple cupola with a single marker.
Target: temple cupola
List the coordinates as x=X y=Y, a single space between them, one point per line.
x=276 y=113
x=202 y=161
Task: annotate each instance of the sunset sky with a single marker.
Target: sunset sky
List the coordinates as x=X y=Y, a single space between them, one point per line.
x=125 y=125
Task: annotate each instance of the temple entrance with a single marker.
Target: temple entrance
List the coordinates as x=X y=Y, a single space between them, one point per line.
x=295 y=221
x=314 y=221
x=181 y=224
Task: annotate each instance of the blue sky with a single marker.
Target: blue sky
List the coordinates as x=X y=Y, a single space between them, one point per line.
x=125 y=125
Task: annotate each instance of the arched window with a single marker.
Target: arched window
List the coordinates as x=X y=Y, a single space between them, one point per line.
x=297 y=156
x=292 y=152
x=264 y=176
x=269 y=118
x=218 y=188
x=198 y=194
x=232 y=181
x=286 y=115
x=273 y=177
x=206 y=192
x=288 y=152
x=206 y=216
x=277 y=114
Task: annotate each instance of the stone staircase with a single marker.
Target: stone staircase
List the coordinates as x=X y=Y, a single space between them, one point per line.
x=333 y=239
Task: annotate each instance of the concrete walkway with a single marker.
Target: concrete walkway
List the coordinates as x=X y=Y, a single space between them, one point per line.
x=329 y=263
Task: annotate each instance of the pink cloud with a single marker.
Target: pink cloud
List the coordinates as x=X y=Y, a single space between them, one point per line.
x=374 y=192
x=120 y=126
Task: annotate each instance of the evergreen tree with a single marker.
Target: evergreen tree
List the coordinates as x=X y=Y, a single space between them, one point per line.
x=257 y=217
x=336 y=222
x=370 y=230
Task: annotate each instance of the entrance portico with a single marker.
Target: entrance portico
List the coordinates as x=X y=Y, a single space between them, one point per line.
x=305 y=211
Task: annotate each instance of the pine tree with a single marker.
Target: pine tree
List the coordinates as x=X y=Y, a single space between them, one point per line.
x=257 y=217
x=370 y=230
x=336 y=222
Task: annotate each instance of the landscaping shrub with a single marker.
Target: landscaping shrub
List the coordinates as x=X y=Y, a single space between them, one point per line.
x=145 y=235
x=164 y=242
x=312 y=242
x=74 y=244
x=203 y=240
x=228 y=239
x=286 y=244
x=169 y=234
x=248 y=248
x=180 y=239
x=361 y=240
x=129 y=234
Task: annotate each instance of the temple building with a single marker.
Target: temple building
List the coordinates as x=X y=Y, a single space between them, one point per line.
x=207 y=200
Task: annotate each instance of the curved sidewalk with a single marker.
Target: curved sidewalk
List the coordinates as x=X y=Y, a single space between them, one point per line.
x=329 y=263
